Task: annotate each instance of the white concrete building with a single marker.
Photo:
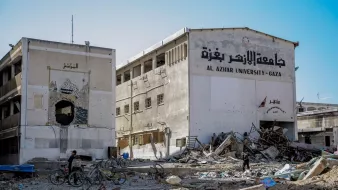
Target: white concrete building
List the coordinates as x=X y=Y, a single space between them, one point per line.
x=203 y=81
x=54 y=98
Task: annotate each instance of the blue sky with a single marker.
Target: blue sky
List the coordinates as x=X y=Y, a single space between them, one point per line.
x=129 y=26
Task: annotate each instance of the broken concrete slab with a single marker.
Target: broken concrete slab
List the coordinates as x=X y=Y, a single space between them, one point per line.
x=317 y=169
x=227 y=142
x=272 y=152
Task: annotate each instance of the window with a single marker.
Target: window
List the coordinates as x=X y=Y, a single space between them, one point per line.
x=148 y=65
x=136 y=106
x=160 y=99
x=118 y=79
x=126 y=109
x=148 y=102
x=140 y=141
x=118 y=111
x=135 y=140
x=137 y=71
x=160 y=60
x=126 y=76
x=301 y=109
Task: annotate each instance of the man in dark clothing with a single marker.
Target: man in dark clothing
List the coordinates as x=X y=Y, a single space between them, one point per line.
x=70 y=162
x=245 y=155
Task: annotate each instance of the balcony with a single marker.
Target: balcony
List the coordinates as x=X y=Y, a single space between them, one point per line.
x=10 y=122
x=10 y=85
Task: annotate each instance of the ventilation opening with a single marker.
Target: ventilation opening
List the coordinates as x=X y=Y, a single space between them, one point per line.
x=64 y=112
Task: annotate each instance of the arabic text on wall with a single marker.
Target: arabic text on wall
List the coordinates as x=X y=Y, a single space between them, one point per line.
x=250 y=58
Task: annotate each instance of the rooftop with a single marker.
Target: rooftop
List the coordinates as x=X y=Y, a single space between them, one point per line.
x=317 y=112
x=182 y=32
x=17 y=47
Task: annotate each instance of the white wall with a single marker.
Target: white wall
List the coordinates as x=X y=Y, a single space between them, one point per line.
x=224 y=101
x=94 y=74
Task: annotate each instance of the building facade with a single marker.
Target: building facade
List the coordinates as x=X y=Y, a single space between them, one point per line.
x=312 y=106
x=203 y=81
x=56 y=97
x=317 y=127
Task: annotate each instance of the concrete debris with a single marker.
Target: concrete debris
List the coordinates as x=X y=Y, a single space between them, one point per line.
x=271 y=152
x=173 y=180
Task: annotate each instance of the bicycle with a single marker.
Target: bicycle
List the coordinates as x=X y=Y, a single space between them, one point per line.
x=60 y=175
x=156 y=170
x=97 y=175
x=115 y=162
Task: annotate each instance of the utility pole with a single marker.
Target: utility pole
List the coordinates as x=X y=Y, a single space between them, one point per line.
x=72 y=30
x=131 y=155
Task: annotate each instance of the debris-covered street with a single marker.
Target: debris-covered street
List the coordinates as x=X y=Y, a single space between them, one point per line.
x=275 y=163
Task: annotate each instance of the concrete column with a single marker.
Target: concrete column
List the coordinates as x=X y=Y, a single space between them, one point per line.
x=2 y=113
x=154 y=62
x=11 y=108
x=122 y=78
x=131 y=73
x=12 y=71
x=142 y=68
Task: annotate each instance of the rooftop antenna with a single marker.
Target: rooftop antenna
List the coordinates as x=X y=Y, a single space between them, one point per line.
x=72 y=30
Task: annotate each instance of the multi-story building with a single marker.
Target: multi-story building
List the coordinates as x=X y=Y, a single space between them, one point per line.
x=56 y=97
x=203 y=81
x=316 y=123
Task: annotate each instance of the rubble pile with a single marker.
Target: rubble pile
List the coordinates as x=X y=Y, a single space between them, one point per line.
x=271 y=145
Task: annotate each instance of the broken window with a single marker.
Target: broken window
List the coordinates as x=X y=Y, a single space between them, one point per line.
x=136 y=106
x=160 y=99
x=126 y=76
x=118 y=79
x=118 y=111
x=160 y=60
x=307 y=140
x=148 y=65
x=126 y=109
x=137 y=71
x=148 y=102
x=64 y=112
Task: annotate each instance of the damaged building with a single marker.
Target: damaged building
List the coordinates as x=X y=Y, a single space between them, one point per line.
x=317 y=127
x=198 y=82
x=56 y=97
